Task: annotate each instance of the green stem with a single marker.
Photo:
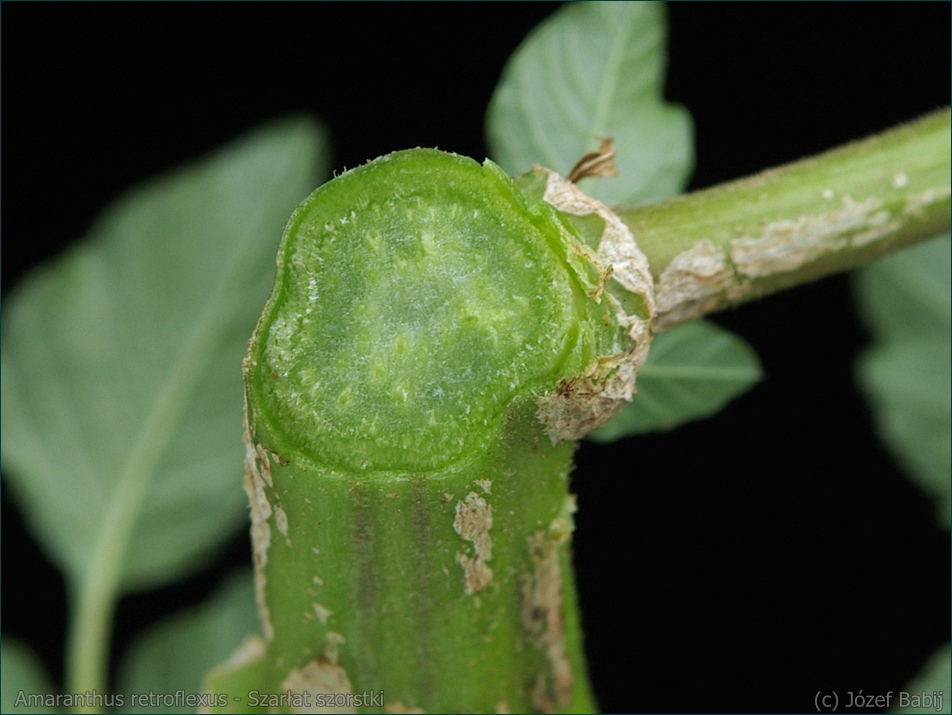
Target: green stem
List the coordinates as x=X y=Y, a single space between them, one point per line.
x=87 y=656
x=450 y=592
x=790 y=225
x=411 y=516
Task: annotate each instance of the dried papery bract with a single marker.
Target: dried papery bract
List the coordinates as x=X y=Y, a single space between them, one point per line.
x=590 y=399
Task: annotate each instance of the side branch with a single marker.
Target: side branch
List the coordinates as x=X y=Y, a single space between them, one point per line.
x=738 y=241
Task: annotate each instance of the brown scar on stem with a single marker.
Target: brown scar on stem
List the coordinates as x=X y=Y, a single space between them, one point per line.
x=692 y=284
x=332 y=641
x=322 y=613
x=542 y=614
x=788 y=244
x=254 y=486
x=702 y=277
x=473 y=520
x=485 y=484
x=319 y=676
x=281 y=521
x=264 y=464
x=277 y=457
x=918 y=203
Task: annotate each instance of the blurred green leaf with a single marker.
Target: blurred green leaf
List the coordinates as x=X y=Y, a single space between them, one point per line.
x=907 y=294
x=22 y=676
x=692 y=371
x=595 y=69
x=175 y=654
x=935 y=677
x=905 y=373
x=121 y=380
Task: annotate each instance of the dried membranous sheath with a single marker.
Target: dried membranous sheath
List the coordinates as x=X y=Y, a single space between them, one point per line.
x=438 y=337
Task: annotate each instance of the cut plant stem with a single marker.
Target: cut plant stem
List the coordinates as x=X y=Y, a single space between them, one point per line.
x=411 y=514
x=734 y=242
x=438 y=337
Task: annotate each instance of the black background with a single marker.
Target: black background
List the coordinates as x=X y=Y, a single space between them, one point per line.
x=738 y=564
